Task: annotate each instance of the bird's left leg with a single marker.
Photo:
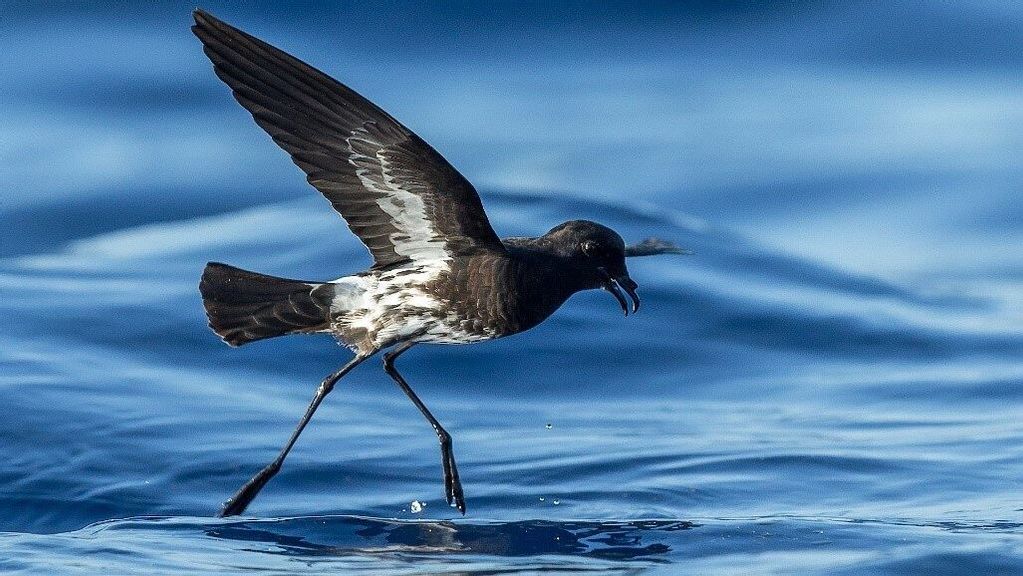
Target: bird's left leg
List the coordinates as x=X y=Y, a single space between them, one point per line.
x=452 y=485
x=240 y=501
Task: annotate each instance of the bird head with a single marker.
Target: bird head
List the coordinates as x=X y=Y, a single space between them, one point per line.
x=599 y=253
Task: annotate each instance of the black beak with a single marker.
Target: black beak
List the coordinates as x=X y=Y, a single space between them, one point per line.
x=630 y=286
x=615 y=287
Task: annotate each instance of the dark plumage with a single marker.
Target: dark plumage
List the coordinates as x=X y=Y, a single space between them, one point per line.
x=440 y=273
x=247 y=306
x=348 y=147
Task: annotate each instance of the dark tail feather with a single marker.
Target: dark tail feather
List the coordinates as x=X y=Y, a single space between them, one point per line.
x=245 y=306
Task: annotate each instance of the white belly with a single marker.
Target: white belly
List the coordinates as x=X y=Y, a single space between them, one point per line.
x=376 y=310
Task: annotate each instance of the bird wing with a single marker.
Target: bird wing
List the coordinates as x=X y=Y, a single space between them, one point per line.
x=653 y=247
x=397 y=194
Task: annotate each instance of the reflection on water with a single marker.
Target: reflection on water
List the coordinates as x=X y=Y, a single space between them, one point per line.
x=344 y=543
x=356 y=535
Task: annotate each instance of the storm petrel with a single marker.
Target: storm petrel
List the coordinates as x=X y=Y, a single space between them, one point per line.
x=440 y=273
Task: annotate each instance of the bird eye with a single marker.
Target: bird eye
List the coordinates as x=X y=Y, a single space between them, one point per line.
x=590 y=248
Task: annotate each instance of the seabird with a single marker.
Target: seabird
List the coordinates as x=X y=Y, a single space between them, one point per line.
x=440 y=273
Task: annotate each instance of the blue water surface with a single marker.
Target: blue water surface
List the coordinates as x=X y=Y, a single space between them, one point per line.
x=832 y=384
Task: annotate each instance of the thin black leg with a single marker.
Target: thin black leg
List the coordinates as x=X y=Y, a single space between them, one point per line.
x=237 y=504
x=452 y=485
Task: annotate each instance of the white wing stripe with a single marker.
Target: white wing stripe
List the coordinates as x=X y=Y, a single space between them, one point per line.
x=417 y=238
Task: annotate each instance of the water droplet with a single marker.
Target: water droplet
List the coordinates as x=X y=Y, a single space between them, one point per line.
x=556 y=501
x=541 y=498
x=549 y=425
x=416 y=506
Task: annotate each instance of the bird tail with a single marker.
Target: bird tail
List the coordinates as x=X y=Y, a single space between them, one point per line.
x=245 y=306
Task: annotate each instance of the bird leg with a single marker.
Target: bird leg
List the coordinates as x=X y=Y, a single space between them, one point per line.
x=237 y=503
x=452 y=485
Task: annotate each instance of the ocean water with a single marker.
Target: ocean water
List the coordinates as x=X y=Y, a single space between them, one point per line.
x=832 y=384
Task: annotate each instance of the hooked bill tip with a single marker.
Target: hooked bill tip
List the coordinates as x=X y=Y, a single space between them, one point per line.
x=615 y=287
x=630 y=288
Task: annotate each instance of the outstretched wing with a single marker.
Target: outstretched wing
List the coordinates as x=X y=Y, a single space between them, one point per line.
x=653 y=247
x=398 y=195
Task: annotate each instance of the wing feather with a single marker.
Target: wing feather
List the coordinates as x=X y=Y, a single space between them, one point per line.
x=397 y=194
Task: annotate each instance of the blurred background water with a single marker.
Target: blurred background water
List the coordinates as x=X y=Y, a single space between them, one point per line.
x=832 y=384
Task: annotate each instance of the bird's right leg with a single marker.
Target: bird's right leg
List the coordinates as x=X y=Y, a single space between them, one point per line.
x=237 y=504
x=452 y=485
